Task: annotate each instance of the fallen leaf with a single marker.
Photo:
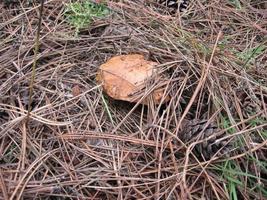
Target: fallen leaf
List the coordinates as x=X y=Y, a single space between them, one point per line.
x=76 y=90
x=123 y=77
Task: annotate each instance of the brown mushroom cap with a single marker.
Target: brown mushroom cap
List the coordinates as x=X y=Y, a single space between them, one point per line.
x=124 y=76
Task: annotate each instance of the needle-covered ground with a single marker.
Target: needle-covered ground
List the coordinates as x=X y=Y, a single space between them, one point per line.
x=209 y=141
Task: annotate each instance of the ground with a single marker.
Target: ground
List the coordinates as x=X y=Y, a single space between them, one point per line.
x=209 y=141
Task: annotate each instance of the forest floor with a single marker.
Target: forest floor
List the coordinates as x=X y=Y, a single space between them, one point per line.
x=209 y=141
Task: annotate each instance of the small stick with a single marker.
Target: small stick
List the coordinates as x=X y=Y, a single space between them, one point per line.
x=36 y=49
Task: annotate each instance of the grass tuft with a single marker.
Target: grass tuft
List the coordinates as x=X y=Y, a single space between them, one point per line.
x=248 y=56
x=81 y=14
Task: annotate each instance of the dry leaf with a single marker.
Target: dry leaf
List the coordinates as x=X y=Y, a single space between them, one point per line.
x=76 y=91
x=124 y=76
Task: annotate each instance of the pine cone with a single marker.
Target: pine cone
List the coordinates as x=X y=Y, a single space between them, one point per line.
x=249 y=107
x=196 y=130
x=253 y=104
x=174 y=5
x=169 y=6
x=3 y=117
